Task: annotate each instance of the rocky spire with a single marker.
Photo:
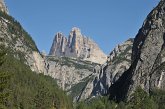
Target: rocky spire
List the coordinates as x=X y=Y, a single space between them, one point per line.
x=59 y=45
x=74 y=37
x=3 y=7
x=77 y=46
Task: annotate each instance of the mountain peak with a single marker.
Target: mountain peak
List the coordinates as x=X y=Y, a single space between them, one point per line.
x=59 y=44
x=77 y=46
x=3 y=7
x=76 y=29
x=75 y=32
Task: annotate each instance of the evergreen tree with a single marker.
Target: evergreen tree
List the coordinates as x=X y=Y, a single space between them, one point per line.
x=141 y=100
x=4 y=81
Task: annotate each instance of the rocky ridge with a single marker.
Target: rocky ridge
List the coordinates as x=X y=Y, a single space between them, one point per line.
x=147 y=69
x=107 y=74
x=19 y=43
x=77 y=46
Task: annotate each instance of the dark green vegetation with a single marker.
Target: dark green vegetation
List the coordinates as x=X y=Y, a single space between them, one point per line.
x=4 y=82
x=20 y=88
x=140 y=100
x=28 y=90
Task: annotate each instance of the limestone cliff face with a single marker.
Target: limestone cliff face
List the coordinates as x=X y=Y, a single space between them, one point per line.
x=77 y=46
x=147 y=69
x=67 y=71
x=107 y=74
x=20 y=44
x=71 y=74
x=3 y=7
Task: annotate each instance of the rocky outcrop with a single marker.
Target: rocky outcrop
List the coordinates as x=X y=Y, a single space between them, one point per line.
x=107 y=74
x=36 y=62
x=67 y=71
x=147 y=69
x=77 y=46
x=3 y=7
x=71 y=74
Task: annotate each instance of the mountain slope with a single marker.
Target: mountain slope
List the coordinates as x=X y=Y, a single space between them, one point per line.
x=20 y=43
x=147 y=69
x=67 y=72
x=31 y=90
x=27 y=88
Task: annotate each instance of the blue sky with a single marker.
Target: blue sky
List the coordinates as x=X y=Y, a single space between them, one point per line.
x=107 y=22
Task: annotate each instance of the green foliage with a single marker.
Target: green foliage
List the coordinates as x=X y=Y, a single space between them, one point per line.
x=4 y=81
x=81 y=105
x=97 y=103
x=4 y=91
x=26 y=89
x=4 y=85
x=159 y=97
x=121 y=105
x=140 y=100
x=32 y=91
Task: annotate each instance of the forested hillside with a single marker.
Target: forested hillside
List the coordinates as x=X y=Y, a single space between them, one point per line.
x=20 y=87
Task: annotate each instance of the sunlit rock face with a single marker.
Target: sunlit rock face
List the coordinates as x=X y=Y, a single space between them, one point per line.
x=148 y=58
x=3 y=7
x=77 y=46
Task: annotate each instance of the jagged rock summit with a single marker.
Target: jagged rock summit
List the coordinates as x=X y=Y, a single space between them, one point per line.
x=77 y=46
x=3 y=7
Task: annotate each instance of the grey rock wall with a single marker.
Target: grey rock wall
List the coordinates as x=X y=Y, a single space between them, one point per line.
x=147 y=69
x=107 y=74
